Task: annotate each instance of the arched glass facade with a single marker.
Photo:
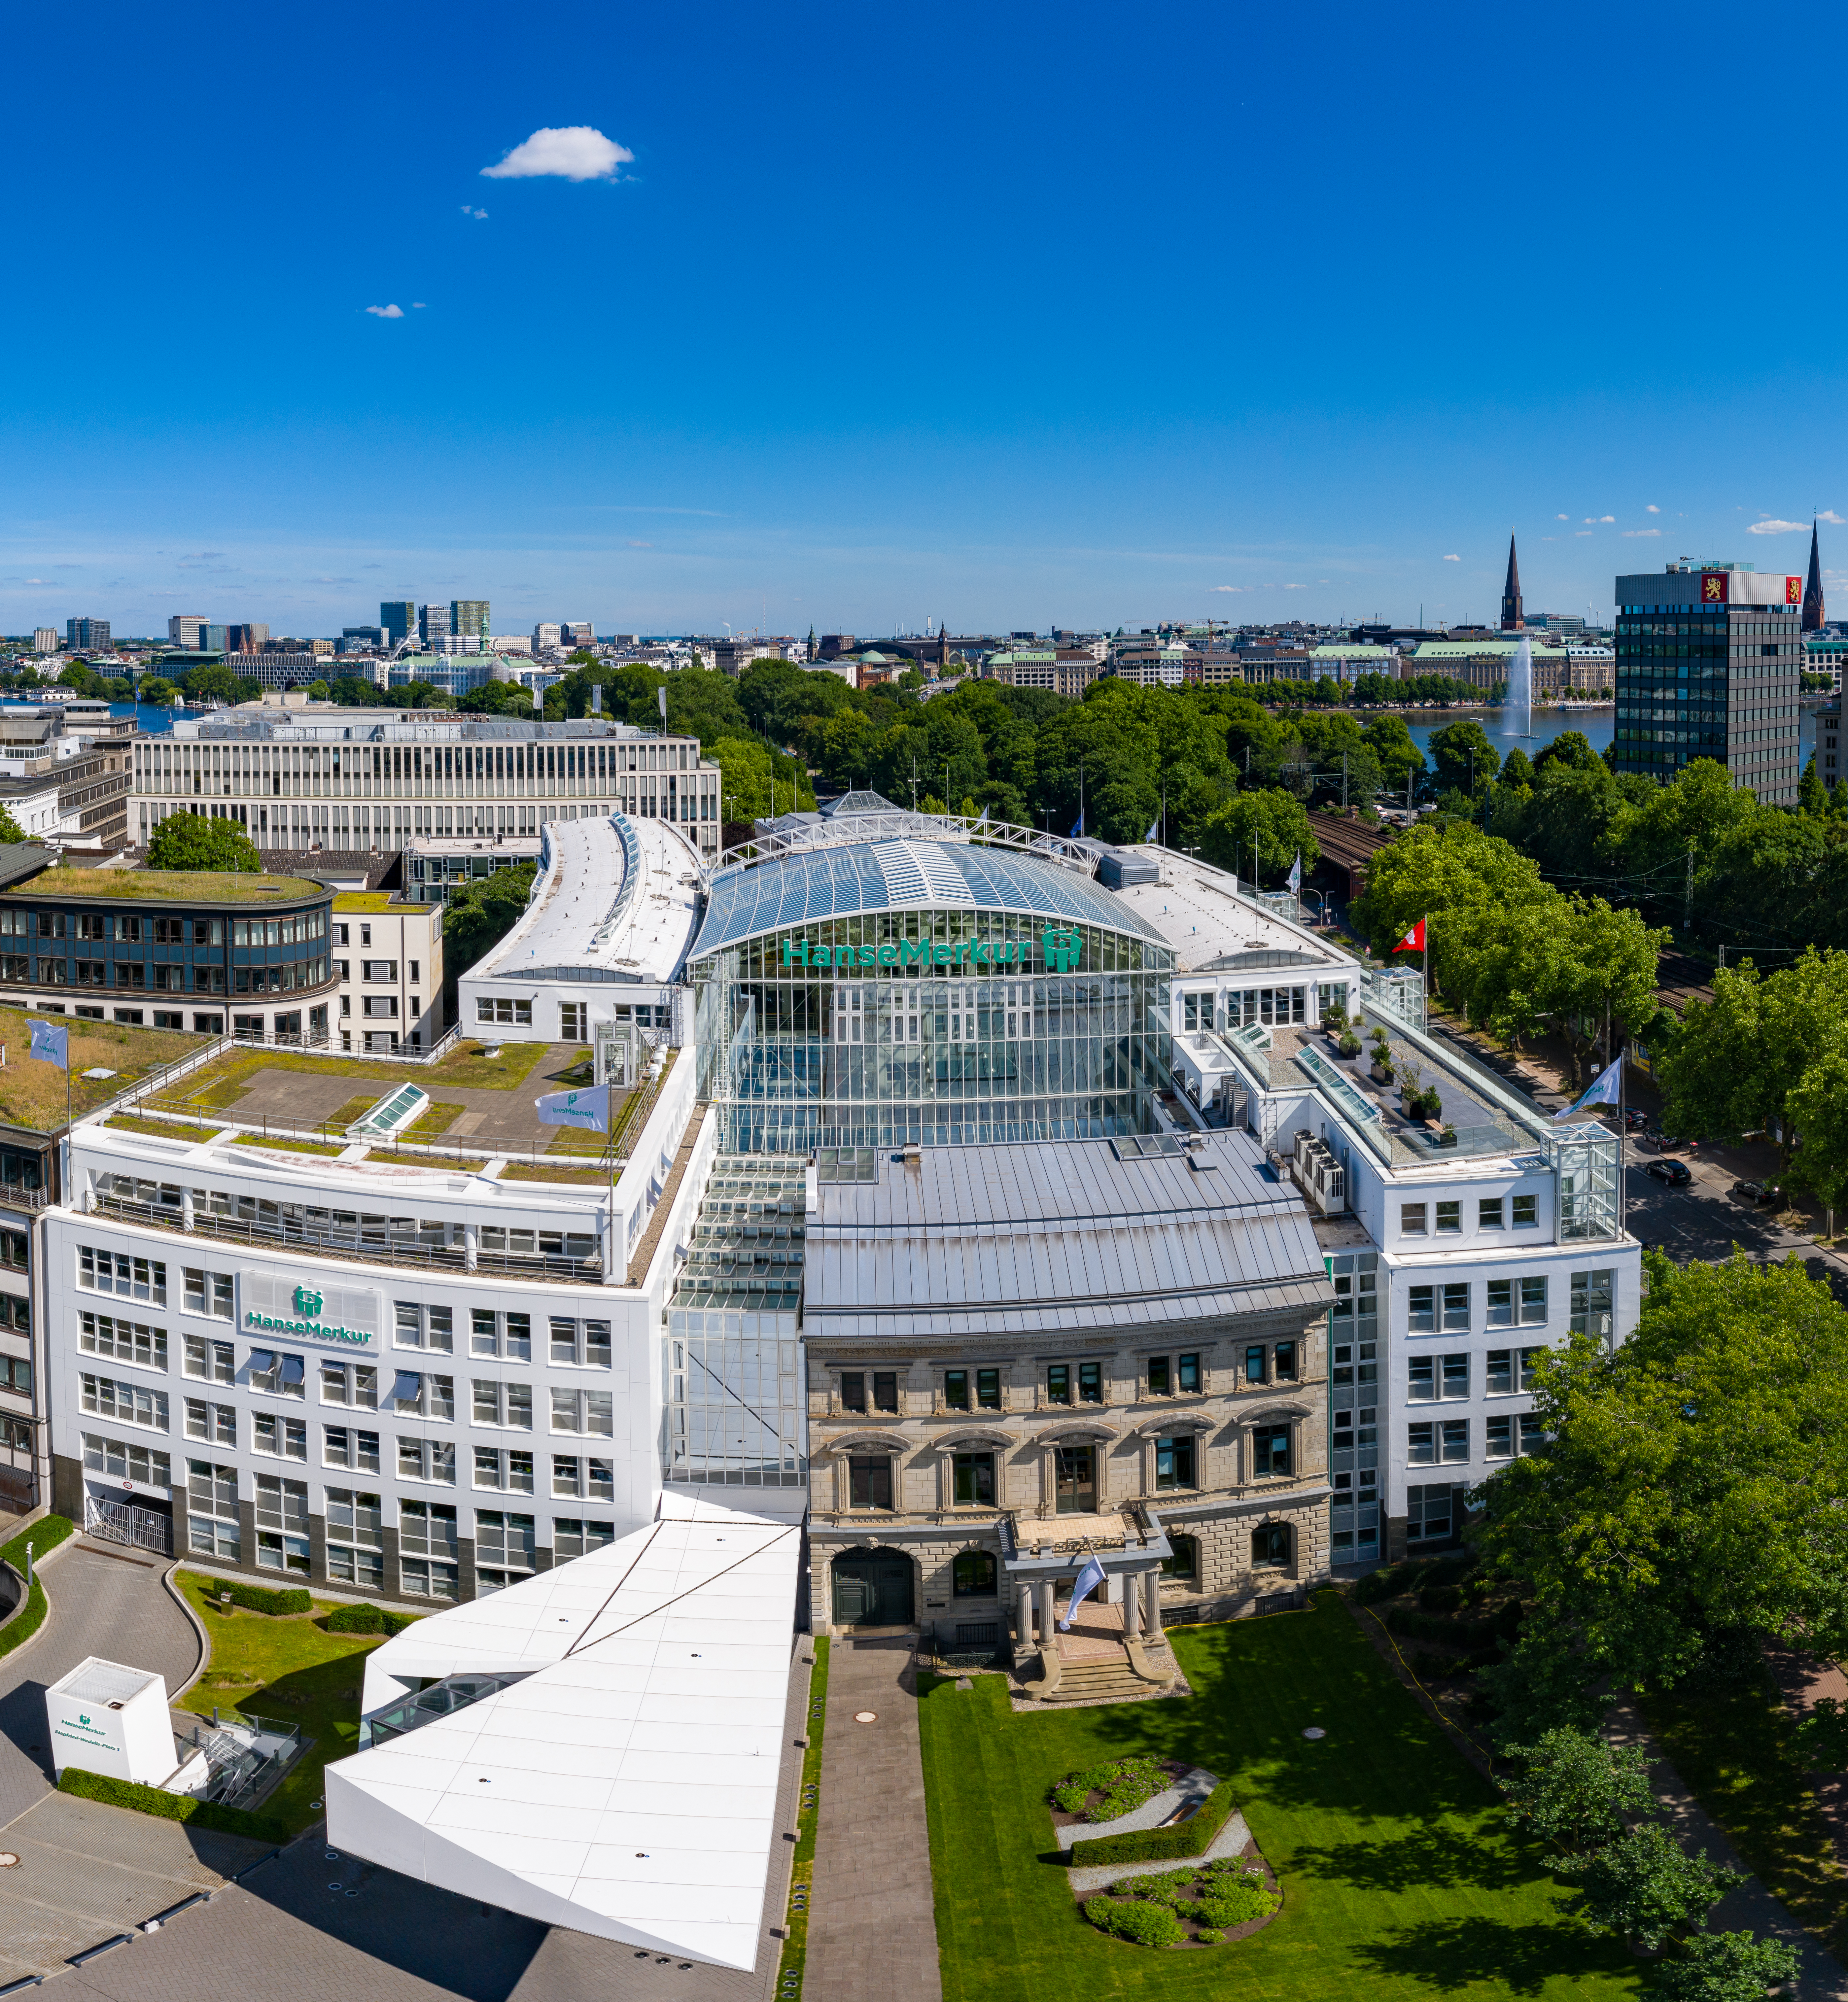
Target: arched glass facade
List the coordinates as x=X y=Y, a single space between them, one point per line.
x=940 y=1027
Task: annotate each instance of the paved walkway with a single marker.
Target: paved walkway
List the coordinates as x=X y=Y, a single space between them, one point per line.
x=871 y=1928
x=1821 y=1977
x=103 y=1602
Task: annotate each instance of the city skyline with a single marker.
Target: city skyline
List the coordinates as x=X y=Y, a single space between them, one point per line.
x=683 y=374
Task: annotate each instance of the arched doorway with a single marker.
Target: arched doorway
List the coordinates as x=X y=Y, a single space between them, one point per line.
x=872 y=1588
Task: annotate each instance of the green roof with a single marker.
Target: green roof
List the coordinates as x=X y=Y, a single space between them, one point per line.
x=178 y=886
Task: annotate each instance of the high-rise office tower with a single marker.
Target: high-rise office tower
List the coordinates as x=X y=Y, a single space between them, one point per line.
x=1709 y=657
x=182 y=630
x=399 y=617
x=212 y=638
x=1813 y=613
x=44 y=639
x=577 y=633
x=1511 y=621
x=247 y=637
x=545 y=634
x=87 y=635
x=469 y=616
x=433 y=622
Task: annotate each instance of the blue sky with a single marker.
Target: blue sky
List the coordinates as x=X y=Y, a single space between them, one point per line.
x=1011 y=316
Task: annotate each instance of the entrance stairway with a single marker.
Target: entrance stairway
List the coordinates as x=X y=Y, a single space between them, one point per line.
x=1099 y=1682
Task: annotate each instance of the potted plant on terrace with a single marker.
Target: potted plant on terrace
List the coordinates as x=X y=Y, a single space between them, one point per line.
x=1382 y=1054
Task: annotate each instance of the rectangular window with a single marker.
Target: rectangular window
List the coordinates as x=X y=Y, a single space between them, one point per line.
x=1450 y=1219
x=885 y=1390
x=209 y=1293
x=1501 y=1303
x=1533 y=1435
x=124 y=1340
x=1255 y=1365
x=352 y=1384
x=215 y=1424
x=1456 y=1439
x=503 y=1541
x=1059 y=1384
x=1526 y=1212
x=1456 y=1376
x=123 y=1273
x=870 y=1481
x=1412 y=1219
x=1500 y=1372
x=1456 y=1309
x=1158 y=1376
x=577 y=1537
x=427 y=1459
x=508 y=1404
x=1593 y=1303
x=975 y=1479
x=277 y=1374
x=1420 y=1445
x=1271 y=1451
x=127 y=1403
x=1174 y=1462
x=1533 y=1302
x=1488 y=1213
x=123 y=1462
x=1090 y=1383
x=347 y=1446
x=426 y=1577
x=1421 y=1378
x=1187 y=1375
x=1497 y=1438
x=1421 y=1310
x=955 y=1390
x=1430 y=1513
x=853 y=1390
x=987 y=1389
x=1283 y=1361
x=281 y=1438
x=1530 y=1361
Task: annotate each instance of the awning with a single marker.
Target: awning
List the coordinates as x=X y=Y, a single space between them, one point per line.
x=408 y=1388
x=262 y=1362
x=291 y=1370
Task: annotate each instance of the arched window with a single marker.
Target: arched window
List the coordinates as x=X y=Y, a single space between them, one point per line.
x=973 y=1572
x=1184 y=1564
x=1271 y=1546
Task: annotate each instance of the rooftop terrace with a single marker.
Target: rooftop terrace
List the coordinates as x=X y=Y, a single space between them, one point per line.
x=176 y=886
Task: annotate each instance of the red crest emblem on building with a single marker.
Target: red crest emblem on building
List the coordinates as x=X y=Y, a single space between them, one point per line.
x=1713 y=586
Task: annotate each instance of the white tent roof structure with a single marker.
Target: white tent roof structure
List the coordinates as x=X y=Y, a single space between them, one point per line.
x=625 y=1785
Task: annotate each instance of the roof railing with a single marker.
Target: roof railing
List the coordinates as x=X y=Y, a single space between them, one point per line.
x=847 y=830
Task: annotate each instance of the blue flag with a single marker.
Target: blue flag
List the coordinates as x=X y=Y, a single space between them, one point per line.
x=1077 y=832
x=588 y=1109
x=1087 y=1580
x=50 y=1044
x=1601 y=1091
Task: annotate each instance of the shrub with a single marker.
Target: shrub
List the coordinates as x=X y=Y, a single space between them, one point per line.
x=1165 y=1887
x=169 y=1806
x=1230 y=1904
x=1388 y=1584
x=1144 y=1924
x=46 y=1534
x=1209 y=1938
x=1440 y=1597
x=1125 y=1784
x=366 y=1619
x=1349 y=1045
x=1149 y=1845
x=260 y=1599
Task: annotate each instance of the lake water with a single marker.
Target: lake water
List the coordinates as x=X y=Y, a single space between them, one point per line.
x=1598 y=726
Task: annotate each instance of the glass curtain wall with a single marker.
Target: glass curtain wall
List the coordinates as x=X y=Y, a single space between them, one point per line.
x=800 y=1056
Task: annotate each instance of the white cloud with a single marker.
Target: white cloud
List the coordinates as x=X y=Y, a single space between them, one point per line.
x=1652 y=509
x=1582 y=531
x=1770 y=525
x=1607 y=517
x=1591 y=520
x=1642 y=531
x=572 y=152
x=386 y=312
x=1453 y=560
x=479 y=214
x=416 y=305
x=1228 y=587
x=1829 y=514
x=1296 y=587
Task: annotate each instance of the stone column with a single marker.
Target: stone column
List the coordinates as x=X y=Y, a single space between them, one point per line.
x=472 y=1247
x=1048 y=1611
x=1132 y=1606
x=1152 y=1603
x=1024 y=1615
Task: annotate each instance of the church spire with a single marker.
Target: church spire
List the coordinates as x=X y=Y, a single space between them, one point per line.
x=1511 y=621
x=1813 y=613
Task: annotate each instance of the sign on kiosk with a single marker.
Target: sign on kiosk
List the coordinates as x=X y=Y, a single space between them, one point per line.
x=105 y=1717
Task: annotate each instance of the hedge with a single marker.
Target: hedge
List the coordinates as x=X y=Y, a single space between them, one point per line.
x=1192 y=1837
x=170 y=1807
x=1144 y=1924
x=364 y=1618
x=259 y=1598
x=46 y=1534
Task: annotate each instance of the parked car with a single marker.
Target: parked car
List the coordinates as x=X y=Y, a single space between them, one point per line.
x=1634 y=1121
x=1675 y=1173
x=1756 y=1192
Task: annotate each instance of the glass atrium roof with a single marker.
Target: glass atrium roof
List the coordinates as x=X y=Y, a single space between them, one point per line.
x=806 y=887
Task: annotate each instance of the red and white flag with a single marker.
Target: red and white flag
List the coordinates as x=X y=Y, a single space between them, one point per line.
x=1414 y=940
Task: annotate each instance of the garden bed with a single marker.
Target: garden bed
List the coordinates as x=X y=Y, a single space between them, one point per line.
x=1192 y=1905
x=1096 y=1794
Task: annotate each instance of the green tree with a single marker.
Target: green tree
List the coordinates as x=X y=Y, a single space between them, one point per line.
x=497 y=698
x=1812 y=795
x=1575 y=1789
x=10 y=830
x=198 y=841
x=317 y=691
x=1465 y=758
x=1692 y=1478
x=1570 y=749
x=479 y=915
x=1454 y=874
x=157 y=689
x=1733 y=1063
x=1389 y=738
x=1260 y=834
x=1818 y=1107
x=1516 y=771
x=1647 y=1887
x=1724 y=1967
x=755 y=783
x=213 y=681
x=78 y=676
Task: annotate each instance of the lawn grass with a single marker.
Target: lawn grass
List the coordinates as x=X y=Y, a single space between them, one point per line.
x=1734 y=1748
x=221 y=1084
x=32 y=1090
x=291 y=1669
x=284 y=1144
x=182 y=886
x=438 y=1117
x=168 y=1129
x=455 y=1164
x=1399 y=1875
x=554 y=1171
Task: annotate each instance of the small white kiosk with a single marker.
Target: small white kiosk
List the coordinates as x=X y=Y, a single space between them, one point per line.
x=104 y=1717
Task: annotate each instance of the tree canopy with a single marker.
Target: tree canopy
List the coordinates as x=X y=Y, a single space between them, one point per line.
x=199 y=841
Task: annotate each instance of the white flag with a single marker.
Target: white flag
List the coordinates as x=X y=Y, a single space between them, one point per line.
x=1296 y=874
x=1154 y=826
x=1603 y=1089
x=1090 y=1578
x=587 y=1109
